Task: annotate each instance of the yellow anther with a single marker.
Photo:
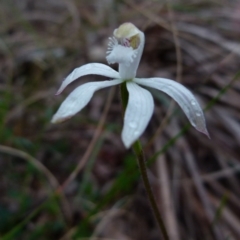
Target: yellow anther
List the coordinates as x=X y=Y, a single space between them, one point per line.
x=130 y=32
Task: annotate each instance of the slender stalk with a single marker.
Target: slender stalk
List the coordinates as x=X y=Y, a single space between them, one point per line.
x=143 y=170
x=142 y=166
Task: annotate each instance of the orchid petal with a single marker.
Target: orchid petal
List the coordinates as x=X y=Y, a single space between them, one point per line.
x=87 y=69
x=182 y=96
x=79 y=98
x=138 y=113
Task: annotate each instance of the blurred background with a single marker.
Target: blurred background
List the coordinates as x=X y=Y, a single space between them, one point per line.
x=75 y=180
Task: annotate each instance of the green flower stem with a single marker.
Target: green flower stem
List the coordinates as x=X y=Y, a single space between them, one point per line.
x=143 y=170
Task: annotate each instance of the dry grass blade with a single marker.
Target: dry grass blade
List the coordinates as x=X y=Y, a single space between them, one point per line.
x=211 y=36
x=167 y=204
x=200 y=188
x=16 y=111
x=229 y=217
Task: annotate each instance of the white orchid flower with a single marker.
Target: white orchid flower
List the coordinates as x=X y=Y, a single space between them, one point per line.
x=125 y=48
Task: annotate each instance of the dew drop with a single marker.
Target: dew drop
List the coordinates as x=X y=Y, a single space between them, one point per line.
x=136 y=133
x=132 y=125
x=198 y=114
x=193 y=102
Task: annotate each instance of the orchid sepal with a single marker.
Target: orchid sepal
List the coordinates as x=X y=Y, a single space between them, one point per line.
x=88 y=69
x=138 y=113
x=182 y=96
x=79 y=98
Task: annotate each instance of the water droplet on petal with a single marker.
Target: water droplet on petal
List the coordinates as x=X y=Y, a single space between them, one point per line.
x=193 y=102
x=132 y=125
x=136 y=133
x=198 y=114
